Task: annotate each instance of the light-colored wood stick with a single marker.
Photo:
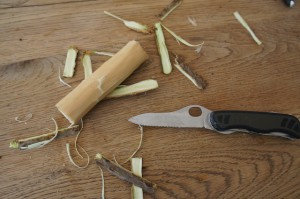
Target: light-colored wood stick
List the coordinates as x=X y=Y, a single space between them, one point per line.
x=102 y=82
x=136 y=168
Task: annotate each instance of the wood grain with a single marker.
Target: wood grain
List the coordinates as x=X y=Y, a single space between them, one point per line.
x=184 y=163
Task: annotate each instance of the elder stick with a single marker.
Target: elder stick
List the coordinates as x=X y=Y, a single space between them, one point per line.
x=125 y=174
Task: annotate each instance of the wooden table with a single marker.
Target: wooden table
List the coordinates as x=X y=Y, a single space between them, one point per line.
x=185 y=163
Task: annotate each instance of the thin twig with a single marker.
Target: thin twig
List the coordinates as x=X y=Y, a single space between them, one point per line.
x=124 y=174
x=64 y=132
x=41 y=143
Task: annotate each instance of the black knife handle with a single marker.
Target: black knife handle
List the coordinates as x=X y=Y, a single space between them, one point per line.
x=257 y=122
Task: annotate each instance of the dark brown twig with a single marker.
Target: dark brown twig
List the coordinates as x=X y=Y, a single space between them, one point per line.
x=167 y=10
x=125 y=174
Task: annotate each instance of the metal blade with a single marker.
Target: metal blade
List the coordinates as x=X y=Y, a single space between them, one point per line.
x=181 y=118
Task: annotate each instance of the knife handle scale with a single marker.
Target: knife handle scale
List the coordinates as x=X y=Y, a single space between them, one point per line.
x=258 y=122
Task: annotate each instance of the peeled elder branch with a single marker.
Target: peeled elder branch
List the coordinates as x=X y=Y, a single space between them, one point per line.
x=102 y=82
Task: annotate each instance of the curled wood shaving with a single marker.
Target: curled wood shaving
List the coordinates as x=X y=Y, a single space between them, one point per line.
x=198 y=49
x=102 y=187
x=170 y=8
x=26 y=118
x=71 y=159
x=247 y=27
x=115 y=159
x=140 y=144
x=61 y=80
x=77 y=139
x=132 y=24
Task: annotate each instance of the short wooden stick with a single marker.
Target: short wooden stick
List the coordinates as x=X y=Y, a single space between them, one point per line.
x=125 y=174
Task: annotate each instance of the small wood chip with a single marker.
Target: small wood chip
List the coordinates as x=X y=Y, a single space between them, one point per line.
x=70 y=62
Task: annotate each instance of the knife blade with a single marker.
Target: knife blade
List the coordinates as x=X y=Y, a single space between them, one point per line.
x=225 y=122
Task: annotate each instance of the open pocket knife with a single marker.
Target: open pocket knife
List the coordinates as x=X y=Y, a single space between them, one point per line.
x=225 y=122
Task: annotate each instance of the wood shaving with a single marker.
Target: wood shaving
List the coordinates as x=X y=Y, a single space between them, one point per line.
x=178 y=38
x=162 y=49
x=24 y=119
x=104 y=53
x=140 y=144
x=102 y=187
x=71 y=159
x=192 y=21
x=199 y=48
x=61 y=80
x=76 y=149
x=132 y=24
x=77 y=139
x=115 y=159
x=133 y=89
x=246 y=26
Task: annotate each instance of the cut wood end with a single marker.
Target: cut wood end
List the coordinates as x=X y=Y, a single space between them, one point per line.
x=98 y=156
x=72 y=122
x=70 y=62
x=85 y=96
x=14 y=144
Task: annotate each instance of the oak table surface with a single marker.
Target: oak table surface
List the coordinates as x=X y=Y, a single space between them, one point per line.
x=184 y=163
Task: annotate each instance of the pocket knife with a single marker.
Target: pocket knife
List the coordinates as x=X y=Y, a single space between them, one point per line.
x=225 y=122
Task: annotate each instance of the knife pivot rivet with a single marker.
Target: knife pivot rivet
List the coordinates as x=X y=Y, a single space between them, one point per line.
x=195 y=111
